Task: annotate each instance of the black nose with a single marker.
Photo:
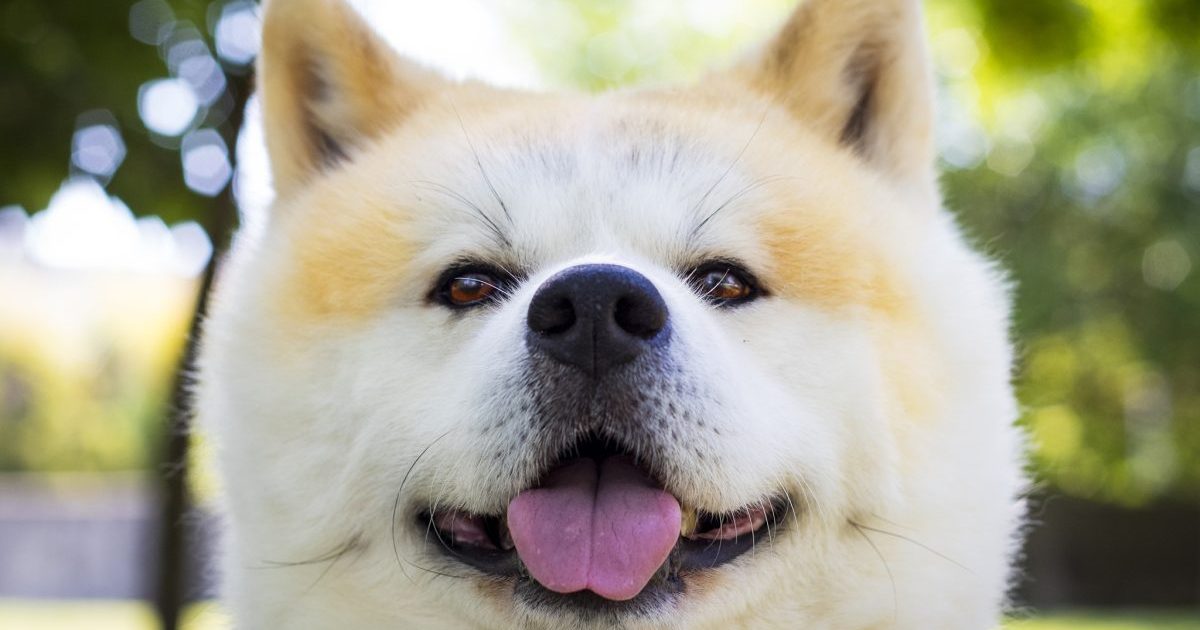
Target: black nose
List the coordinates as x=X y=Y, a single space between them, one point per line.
x=596 y=317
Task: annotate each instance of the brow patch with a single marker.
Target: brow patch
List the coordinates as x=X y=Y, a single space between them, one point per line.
x=349 y=261
x=818 y=258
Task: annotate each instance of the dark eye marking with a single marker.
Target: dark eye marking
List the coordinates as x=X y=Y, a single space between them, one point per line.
x=724 y=283
x=472 y=284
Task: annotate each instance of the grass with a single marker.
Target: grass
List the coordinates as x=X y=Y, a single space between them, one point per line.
x=1122 y=620
x=28 y=614
x=121 y=615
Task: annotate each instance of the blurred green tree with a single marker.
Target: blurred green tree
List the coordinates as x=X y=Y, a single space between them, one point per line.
x=145 y=98
x=1100 y=227
x=69 y=64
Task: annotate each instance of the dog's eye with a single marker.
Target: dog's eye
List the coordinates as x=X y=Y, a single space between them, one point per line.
x=724 y=284
x=469 y=289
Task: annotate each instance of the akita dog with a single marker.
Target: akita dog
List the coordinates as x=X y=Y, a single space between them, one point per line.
x=692 y=357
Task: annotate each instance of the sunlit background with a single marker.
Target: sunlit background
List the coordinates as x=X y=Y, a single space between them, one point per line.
x=1069 y=134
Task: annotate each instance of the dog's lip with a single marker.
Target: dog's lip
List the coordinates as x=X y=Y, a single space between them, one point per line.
x=707 y=540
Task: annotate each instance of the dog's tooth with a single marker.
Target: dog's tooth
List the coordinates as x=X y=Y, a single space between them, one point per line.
x=688 y=520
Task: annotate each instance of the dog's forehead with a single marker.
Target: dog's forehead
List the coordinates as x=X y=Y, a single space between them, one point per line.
x=590 y=175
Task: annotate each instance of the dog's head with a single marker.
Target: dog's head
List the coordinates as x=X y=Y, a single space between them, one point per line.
x=648 y=357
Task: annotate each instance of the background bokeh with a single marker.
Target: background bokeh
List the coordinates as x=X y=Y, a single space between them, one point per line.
x=1069 y=136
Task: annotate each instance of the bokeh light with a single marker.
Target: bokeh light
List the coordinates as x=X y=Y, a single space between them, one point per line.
x=12 y=233
x=237 y=33
x=188 y=58
x=167 y=106
x=206 y=167
x=84 y=228
x=97 y=147
x=1166 y=264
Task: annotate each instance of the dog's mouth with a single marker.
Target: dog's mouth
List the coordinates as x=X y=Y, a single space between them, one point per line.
x=598 y=530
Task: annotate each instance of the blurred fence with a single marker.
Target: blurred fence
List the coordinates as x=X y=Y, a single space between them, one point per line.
x=90 y=536
x=1084 y=553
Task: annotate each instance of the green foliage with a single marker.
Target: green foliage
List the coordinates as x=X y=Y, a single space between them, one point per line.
x=87 y=392
x=1034 y=33
x=63 y=59
x=601 y=44
x=86 y=356
x=1100 y=230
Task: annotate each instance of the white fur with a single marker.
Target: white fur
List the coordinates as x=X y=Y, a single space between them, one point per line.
x=900 y=522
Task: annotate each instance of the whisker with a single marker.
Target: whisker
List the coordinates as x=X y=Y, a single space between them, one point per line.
x=720 y=542
x=503 y=292
x=479 y=163
x=395 y=545
x=508 y=272
x=474 y=208
x=718 y=284
x=791 y=505
x=888 y=521
x=749 y=188
x=437 y=573
x=738 y=158
x=429 y=527
x=753 y=536
x=768 y=511
x=324 y=572
x=690 y=276
x=811 y=501
x=330 y=556
x=886 y=567
x=329 y=559
x=917 y=543
x=396 y=503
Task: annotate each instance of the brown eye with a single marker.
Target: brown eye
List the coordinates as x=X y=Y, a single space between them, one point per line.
x=724 y=285
x=469 y=289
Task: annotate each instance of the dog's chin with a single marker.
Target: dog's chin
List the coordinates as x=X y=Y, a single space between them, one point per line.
x=705 y=541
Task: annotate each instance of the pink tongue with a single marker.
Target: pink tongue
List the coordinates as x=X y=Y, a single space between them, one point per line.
x=608 y=530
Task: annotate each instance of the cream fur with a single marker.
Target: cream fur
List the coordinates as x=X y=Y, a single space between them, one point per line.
x=872 y=384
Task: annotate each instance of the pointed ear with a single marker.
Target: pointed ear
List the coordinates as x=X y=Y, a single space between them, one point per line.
x=857 y=72
x=328 y=84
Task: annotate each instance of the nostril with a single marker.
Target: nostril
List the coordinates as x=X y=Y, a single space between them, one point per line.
x=596 y=317
x=640 y=316
x=552 y=317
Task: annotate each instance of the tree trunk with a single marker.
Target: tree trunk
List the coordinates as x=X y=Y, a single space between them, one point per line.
x=172 y=575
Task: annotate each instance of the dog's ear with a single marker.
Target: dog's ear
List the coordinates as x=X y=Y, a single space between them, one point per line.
x=328 y=83
x=858 y=73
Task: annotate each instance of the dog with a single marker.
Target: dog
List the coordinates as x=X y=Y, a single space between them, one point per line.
x=710 y=356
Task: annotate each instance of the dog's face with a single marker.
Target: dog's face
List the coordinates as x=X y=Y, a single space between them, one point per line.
x=644 y=359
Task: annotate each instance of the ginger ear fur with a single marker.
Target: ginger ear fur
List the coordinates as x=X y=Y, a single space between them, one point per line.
x=328 y=84
x=858 y=74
